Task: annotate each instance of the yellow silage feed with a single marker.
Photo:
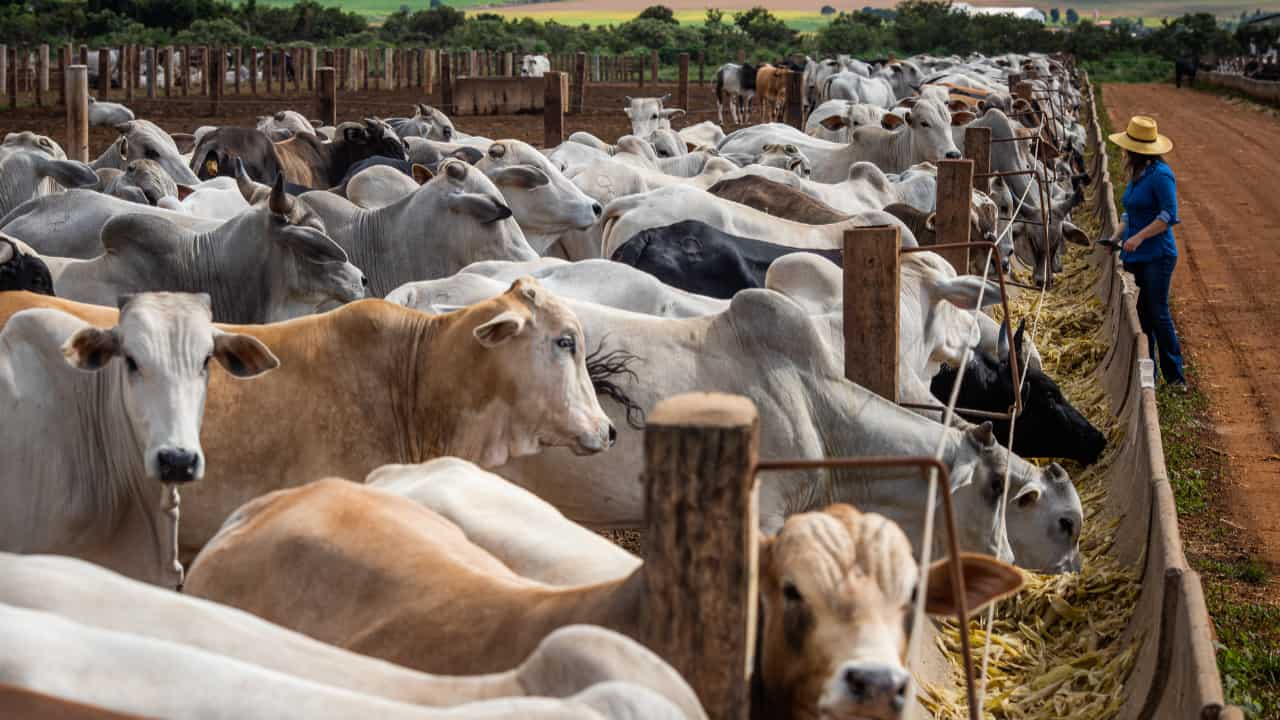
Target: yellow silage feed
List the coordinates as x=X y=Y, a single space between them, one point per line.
x=1056 y=649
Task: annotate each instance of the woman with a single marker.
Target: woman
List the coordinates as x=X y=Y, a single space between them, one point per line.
x=1149 y=251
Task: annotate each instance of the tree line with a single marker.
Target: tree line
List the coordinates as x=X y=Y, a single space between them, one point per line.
x=914 y=26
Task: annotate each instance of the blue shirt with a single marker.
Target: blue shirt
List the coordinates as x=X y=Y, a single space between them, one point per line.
x=1151 y=196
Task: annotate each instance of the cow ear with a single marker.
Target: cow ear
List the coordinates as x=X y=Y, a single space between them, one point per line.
x=963 y=291
x=355 y=133
x=982 y=436
x=481 y=207
x=502 y=328
x=985 y=580
x=957 y=105
x=184 y=191
x=962 y=118
x=73 y=174
x=1074 y=234
x=122 y=147
x=1028 y=496
x=242 y=356
x=90 y=348
x=835 y=122
x=421 y=173
x=313 y=245
x=521 y=176
x=931 y=222
x=890 y=121
x=1017 y=337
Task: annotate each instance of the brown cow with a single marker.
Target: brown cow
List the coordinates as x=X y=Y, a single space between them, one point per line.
x=771 y=88
x=372 y=383
x=777 y=199
x=377 y=573
x=311 y=162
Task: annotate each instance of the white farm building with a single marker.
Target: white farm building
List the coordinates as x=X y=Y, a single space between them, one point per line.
x=1026 y=13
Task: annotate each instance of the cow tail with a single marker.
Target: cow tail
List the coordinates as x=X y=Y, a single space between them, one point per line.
x=720 y=86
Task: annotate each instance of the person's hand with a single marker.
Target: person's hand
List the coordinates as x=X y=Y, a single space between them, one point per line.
x=1132 y=244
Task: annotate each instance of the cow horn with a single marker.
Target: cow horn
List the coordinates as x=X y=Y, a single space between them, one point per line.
x=280 y=203
x=664 y=98
x=244 y=183
x=279 y=116
x=124 y=128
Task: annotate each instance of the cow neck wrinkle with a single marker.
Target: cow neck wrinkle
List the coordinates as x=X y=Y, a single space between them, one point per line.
x=16 y=183
x=878 y=143
x=372 y=236
x=231 y=299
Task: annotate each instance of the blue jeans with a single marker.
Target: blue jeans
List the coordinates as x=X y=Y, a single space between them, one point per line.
x=1153 y=278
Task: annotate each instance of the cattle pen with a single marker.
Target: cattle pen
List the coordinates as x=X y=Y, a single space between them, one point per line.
x=1129 y=637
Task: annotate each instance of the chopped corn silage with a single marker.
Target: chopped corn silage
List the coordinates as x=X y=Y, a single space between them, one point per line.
x=1056 y=646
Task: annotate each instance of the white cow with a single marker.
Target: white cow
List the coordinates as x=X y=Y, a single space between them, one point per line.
x=833 y=120
x=625 y=217
x=769 y=348
x=25 y=172
x=103 y=425
x=107 y=114
x=705 y=134
x=486 y=507
x=56 y=657
x=380 y=185
x=567 y=662
x=543 y=201
x=853 y=87
x=534 y=65
x=924 y=135
x=284 y=124
x=648 y=114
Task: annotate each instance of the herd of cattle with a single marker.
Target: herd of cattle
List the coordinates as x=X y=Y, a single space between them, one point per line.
x=398 y=370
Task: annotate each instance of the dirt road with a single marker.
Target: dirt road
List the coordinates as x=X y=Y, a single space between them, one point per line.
x=1225 y=298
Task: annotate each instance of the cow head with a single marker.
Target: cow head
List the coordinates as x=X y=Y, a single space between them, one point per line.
x=532 y=356
x=284 y=124
x=162 y=347
x=143 y=140
x=647 y=115
x=150 y=178
x=1044 y=515
x=22 y=269
x=929 y=125
x=541 y=198
x=437 y=125
x=1050 y=426
x=27 y=140
x=836 y=590
x=371 y=137
x=787 y=157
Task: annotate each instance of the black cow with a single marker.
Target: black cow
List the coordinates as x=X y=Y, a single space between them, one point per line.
x=469 y=155
x=217 y=150
x=1186 y=66
x=693 y=256
x=1048 y=427
x=20 y=271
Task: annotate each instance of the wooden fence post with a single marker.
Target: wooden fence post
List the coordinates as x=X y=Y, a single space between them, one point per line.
x=84 y=55
x=702 y=67
x=104 y=73
x=446 y=83
x=954 y=205
x=186 y=70
x=127 y=73
x=64 y=64
x=4 y=71
x=871 y=288
x=153 y=62
x=428 y=71
x=388 y=69
x=237 y=59
x=269 y=68
x=13 y=77
x=553 y=110
x=977 y=147
x=216 y=79
x=641 y=60
x=578 y=91
x=653 y=66
x=328 y=92
x=204 y=69
x=795 y=100
x=296 y=56
x=701 y=546
x=253 y=71
x=682 y=89
x=42 y=74
x=313 y=58
x=170 y=77
x=77 y=84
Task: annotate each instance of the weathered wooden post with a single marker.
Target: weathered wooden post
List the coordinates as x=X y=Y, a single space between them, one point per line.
x=268 y=73
x=328 y=95
x=553 y=110
x=795 y=100
x=702 y=67
x=388 y=69
x=682 y=87
x=366 y=63
x=64 y=64
x=153 y=57
x=84 y=55
x=169 y=76
x=216 y=64
x=127 y=73
x=237 y=59
x=77 y=84
x=871 y=286
x=641 y=60
x=42 y=74
x=955 y=201
x=104 y=73
x=4 y=72
x=12 y=75
x=313 y=61
x=428 y=71
x=253 y=71
x=186 y=70
x=296 y=56
x=977 y=147
x=701 y=546
x=653 y=66
x=578 y=91
x=446 y=83
x=204 y=69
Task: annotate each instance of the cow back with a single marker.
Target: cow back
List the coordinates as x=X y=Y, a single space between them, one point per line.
x=776 y=199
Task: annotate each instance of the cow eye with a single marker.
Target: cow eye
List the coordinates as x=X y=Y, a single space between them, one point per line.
x=655 y=116
x=152 y=154
x=131 y=364
x=567 y=343
x=791 y=593
x=924 y=124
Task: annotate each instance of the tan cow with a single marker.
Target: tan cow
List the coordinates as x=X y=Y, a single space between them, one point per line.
x=771 y=88
x=376 y=573
x=372 y=383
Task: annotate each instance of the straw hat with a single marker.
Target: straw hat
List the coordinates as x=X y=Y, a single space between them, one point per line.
x=1141 y=137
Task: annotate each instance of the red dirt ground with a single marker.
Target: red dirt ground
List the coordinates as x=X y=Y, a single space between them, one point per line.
x=1224 y=292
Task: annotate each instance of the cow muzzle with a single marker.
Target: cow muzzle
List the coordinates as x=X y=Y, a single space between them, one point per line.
x=592 y=443
x=866 y=690
x=178 y=465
